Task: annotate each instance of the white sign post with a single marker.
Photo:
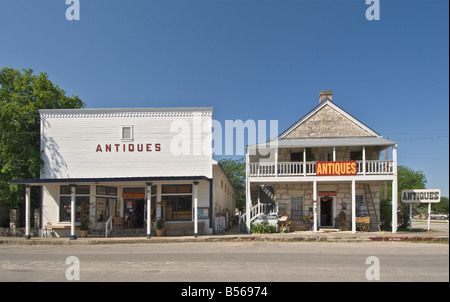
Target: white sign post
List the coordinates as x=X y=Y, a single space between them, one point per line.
x=421 y=196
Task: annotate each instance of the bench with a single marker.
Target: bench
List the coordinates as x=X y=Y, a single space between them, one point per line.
x=53 y=227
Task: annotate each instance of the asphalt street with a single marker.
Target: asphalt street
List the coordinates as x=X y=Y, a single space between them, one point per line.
x=228 y=261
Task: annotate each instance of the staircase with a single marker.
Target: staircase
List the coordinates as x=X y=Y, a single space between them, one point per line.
x=269 y=207
x=371 y=210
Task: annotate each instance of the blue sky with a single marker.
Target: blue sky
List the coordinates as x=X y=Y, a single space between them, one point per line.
x=251 y=59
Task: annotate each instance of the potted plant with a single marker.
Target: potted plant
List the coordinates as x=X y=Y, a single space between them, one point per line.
x=159 y=227
x=84 y=227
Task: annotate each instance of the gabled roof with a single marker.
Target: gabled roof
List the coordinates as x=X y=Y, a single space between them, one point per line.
x=324 y=103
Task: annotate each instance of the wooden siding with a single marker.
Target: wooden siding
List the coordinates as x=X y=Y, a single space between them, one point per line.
x=71 y=145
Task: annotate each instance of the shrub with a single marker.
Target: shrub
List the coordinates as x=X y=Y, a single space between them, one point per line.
x=263 y=228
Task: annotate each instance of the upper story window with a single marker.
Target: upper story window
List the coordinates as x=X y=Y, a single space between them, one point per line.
x=127 y=133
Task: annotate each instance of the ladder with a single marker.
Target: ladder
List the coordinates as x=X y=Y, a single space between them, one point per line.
x=370 y=205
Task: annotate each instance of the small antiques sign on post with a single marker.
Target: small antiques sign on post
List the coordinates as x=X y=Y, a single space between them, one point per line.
x=421 y=196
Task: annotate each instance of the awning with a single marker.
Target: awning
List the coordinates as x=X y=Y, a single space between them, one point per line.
x=40 y=182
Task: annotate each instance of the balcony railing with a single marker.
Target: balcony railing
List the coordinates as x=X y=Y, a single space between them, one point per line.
x=367 y=167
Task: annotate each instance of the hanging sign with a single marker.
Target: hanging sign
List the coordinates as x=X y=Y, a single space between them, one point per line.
x=133 y=195
x=335 y=168
x=327 y=193
x=421 y=196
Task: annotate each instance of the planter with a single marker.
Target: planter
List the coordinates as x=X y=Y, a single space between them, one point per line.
x=83 y=234
x=159 y=232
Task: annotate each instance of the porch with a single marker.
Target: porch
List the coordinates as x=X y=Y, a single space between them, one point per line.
x=282 y=169
x=120 y=206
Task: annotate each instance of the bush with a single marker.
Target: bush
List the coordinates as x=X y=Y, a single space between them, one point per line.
x=263 y=228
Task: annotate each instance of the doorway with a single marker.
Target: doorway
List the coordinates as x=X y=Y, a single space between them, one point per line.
x=134 y=212
x=326 y=211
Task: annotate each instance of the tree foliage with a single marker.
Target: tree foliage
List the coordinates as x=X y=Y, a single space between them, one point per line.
x=408 y=179
x=235 y=170
x=22 y=94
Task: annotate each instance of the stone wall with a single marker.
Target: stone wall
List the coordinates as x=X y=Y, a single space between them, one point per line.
x=327 y=122
x=284 y=192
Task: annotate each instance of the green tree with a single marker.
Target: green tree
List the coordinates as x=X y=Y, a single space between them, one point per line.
x=22 y=94
x=235 y=170
x=408 y=179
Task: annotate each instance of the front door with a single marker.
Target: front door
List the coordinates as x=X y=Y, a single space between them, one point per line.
x=134 y=212
x=326 y=211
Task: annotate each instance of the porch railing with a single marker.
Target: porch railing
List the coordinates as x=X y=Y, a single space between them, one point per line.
x=367 y=167
x=258 y=210
x=108 y=226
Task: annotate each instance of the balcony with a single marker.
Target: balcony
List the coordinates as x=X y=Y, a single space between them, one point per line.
x=304 y=169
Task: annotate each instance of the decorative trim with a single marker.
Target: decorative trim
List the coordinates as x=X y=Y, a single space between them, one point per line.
x=112 y=113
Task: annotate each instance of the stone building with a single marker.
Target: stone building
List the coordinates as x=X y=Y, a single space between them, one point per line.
x=325 y=171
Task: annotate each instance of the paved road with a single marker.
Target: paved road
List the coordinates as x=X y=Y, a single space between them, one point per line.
x=231 y=261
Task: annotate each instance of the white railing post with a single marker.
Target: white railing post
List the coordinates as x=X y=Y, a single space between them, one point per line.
x=364 y=159
x=108 y=223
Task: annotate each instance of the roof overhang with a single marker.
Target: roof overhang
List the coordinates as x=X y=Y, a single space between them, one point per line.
x=41 y=182
x=324 y=142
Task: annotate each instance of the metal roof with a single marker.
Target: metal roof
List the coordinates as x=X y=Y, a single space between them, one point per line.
x=329 y=142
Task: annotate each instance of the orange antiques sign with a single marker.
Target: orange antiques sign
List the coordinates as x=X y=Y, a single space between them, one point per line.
x=335 y=168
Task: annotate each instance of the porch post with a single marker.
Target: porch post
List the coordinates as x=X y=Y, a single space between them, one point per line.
x=364 y=159
x=304 y=161
x=73 y=212
x=27 y=212
x=149 y=212
x=394 y=191
x=195 y=209
x=315 y=205
x=276 y=162
x=248 y=202
x=353 y=206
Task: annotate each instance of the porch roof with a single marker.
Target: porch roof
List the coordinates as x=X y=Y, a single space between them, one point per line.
x=328 y=142
x=40 y=182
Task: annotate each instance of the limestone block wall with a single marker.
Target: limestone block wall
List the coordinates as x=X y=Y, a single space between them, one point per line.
x=284 y=192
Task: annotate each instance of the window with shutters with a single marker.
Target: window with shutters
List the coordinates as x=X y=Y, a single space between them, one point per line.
x=297 y=207
x=127 y=133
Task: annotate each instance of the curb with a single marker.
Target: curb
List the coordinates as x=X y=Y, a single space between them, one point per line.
x=408 y=238
x=250 y=238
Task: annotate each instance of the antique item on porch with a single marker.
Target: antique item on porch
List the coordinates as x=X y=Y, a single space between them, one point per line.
x=363 y=223
x=342 y=221
x=285 y=222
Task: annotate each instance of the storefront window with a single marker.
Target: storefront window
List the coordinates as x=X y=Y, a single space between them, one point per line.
x=106 y=207
x=178 y=207
x=65 y=207
x=81 y=202
x=174 y=189
x=109 y=191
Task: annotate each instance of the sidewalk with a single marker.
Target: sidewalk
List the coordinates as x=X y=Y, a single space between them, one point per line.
x=233 y=236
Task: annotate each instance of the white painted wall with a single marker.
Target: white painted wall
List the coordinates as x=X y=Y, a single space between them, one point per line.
x=71 y=140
